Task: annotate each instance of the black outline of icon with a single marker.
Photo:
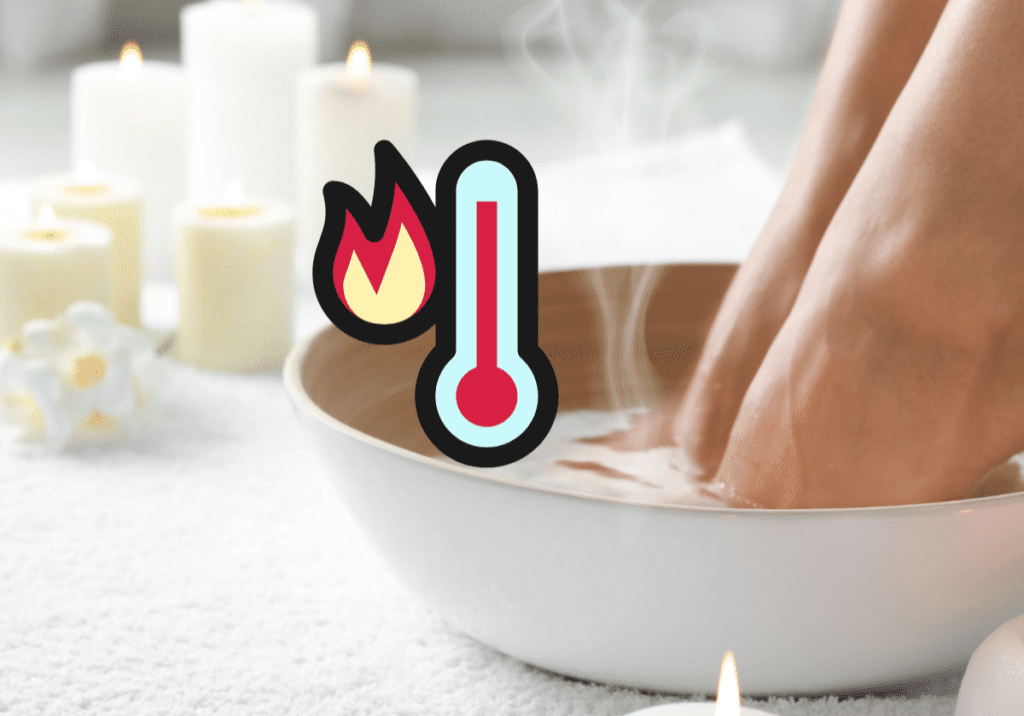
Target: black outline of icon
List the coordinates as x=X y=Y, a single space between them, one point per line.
x=444 y=292
x=339 y=198
x=438 y=224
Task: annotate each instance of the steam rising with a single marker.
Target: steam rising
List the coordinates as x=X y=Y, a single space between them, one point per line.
x=629 y=66
x=629 y=376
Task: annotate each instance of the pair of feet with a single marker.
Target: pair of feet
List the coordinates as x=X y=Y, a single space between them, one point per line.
x=878 y=359
x=891 y=372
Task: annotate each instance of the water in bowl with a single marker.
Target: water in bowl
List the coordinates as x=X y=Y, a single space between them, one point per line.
x=571 y=459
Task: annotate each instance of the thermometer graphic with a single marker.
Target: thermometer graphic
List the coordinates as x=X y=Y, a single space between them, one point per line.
x=486 y=395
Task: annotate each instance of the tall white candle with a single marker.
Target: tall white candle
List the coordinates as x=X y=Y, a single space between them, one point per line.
x=344 y=110
x=128 y=118
x=48 y=264
x=243 y=60
x=235 y=264
x=117 y=203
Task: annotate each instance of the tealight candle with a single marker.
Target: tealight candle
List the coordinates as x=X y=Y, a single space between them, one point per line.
x=243 y=61
x=47 y=265
x=235 y=276
x=726 y=704
x=116 y=202
x=128 y=118
x=344 y=110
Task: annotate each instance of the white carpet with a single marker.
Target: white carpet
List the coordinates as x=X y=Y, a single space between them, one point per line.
x=209 y=569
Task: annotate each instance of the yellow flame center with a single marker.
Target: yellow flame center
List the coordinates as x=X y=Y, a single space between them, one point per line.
x=401 y=289
x=358 y=65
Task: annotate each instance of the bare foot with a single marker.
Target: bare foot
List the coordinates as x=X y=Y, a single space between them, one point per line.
x=752 y=311
x=862 y=402
x=898 y=377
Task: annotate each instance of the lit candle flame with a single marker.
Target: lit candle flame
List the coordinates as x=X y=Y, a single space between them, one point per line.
x=233 y=194
x=46 y=218
x=85 y=174
x=131 y=59
x=728 y=702
x=358 y=64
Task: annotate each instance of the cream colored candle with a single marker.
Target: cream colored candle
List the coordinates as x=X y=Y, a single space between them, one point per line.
x=117 y=203
x=47 y=265
x=235 y=277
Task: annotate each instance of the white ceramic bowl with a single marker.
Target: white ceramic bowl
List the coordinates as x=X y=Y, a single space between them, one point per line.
x=651 y=596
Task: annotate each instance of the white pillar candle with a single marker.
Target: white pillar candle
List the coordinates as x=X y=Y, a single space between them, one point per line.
x=235 y=276
x=243 y=61
x=128 y=118
x=47 y=265
x=344 y=110
x=117 y=203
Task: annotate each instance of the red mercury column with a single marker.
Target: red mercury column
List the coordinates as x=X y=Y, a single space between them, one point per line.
x=486 y=395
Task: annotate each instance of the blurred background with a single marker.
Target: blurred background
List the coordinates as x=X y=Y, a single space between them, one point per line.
x=556 y=78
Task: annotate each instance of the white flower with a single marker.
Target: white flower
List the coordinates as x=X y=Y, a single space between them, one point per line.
x=79 y=376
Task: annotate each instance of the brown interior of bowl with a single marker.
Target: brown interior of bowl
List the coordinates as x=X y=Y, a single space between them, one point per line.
x=371 y=388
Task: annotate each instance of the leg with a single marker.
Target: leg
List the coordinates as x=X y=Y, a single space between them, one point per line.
x=898 y=376
x=875 y=47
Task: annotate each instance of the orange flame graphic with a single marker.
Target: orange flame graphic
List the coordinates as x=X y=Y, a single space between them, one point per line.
x=389 y=280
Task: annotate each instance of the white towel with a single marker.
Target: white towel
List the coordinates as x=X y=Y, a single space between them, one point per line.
x=701 y=198
x=209 y=569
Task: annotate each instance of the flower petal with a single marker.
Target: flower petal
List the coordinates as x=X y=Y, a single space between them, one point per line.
x=114 y=394
x=41 y=381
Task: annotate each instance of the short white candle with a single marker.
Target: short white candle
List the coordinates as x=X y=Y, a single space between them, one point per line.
x=128 y=118
x=344 y=110
x=116 y=202
x=47 y=265
x=706 y=708
x=235 y=264
x=726 y=704
x=243 y=61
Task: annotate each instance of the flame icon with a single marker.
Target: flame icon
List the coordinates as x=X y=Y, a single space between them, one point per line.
x=387 y=281
x=374 y=269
